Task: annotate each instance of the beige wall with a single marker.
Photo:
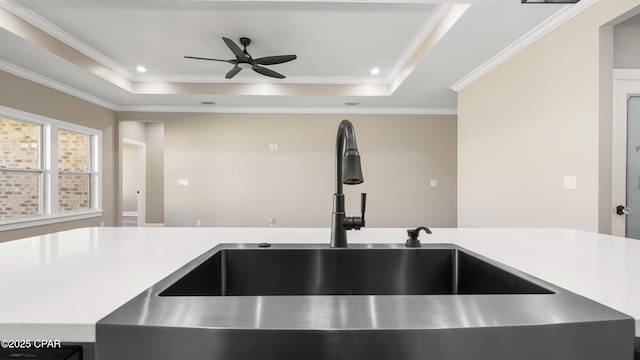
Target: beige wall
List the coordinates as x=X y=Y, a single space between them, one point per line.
x=27 y=96
x=155 y=172
x=534 y=119
x=235 y=180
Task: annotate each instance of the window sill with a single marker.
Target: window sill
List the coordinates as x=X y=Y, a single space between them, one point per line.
x=21 y=223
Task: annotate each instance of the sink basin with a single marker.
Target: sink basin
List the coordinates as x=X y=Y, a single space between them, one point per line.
x=421 y=271
x=369 y=301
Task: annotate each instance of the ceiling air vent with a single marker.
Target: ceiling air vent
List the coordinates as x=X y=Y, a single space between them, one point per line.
x=207 y=102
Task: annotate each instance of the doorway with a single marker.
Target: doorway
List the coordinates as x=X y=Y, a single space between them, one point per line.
x=626 y=154
x=133 y=182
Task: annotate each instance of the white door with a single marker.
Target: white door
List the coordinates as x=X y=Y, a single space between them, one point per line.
x=626 y=154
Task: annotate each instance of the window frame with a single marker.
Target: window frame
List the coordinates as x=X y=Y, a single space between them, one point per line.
x=49 y=190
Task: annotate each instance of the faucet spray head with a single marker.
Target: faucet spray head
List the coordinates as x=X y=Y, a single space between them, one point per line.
x=351 y=169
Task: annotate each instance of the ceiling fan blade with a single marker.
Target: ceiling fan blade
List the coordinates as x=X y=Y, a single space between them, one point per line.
x=233 y=72
x=267 y=72
x=273 y=60
x=201 y=58
x=235 y=49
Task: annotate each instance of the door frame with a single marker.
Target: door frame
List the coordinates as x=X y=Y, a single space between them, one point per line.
x=141 y=160
x=626 y=82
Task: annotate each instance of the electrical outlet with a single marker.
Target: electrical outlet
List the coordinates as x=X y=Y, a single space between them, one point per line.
x=183 y=182
x=272 y=222
x=198 y=223
x=570 y=182
x=433 y=183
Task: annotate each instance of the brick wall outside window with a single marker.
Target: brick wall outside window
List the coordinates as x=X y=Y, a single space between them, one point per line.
x=74 y=154
x=19 y=144
x=19 y=194
x=19 y=149
x=74 y=151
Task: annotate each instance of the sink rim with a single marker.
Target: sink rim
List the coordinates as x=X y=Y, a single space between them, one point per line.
x=169 y=280
x=183 y=286
x=354 y=312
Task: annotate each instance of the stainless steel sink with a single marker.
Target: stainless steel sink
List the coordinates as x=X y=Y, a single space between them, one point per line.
x=383 y=301
x=272 y=272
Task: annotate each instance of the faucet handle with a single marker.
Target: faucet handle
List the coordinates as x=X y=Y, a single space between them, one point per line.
x=363 y=205
x=356 y=222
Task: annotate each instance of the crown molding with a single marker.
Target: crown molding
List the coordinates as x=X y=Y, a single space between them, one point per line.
x=39 y=79
x=289 y=110
x=307 y=80
x=427 y=27
x=53 y=30
x=331 y=1
x=439 y=12
x=452 y=14
x=553 y=22
x=434 y=18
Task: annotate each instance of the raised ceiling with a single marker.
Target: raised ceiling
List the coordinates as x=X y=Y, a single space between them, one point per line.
x=91 y=48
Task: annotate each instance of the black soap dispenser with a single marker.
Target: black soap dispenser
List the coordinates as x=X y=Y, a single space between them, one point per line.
x=412 y=241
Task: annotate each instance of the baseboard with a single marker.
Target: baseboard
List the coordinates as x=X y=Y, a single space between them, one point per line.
x=154 y=225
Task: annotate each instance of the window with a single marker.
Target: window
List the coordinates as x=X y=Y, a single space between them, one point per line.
x=74 y=171
x=49 y=170
x=20 y=169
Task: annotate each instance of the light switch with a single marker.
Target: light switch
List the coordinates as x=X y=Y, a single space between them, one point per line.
x=570 y=182
x=183 y=182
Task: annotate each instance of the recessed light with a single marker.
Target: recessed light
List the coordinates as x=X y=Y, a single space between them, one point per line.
x=141 y=69
x=375 y=71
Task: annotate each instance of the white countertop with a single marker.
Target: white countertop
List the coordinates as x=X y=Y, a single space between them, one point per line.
x=58 y=286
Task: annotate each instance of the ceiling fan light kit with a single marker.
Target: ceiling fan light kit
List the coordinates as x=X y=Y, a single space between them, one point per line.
x=244 y=60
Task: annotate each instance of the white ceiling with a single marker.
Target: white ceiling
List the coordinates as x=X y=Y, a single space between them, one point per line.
x=91 y=48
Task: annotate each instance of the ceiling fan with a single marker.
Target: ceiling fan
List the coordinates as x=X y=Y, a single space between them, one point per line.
x=244 y=61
